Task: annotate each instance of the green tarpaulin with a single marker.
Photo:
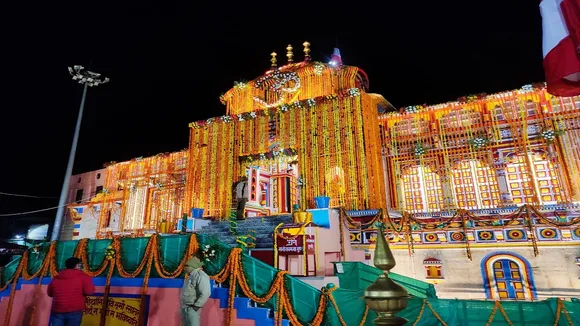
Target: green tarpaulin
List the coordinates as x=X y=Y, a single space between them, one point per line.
x=305 y=298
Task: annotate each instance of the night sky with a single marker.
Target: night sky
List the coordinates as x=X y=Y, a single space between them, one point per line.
x=170 y=61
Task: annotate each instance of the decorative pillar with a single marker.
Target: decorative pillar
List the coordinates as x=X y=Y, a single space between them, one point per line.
x=384 y=296
x=504 y=192
x=448 y=198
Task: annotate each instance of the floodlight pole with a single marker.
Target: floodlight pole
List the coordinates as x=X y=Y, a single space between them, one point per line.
x=87 y=78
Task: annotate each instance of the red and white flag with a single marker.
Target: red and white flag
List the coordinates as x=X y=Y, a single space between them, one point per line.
x=561 y=46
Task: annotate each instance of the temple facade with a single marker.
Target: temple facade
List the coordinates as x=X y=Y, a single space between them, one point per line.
x=480 y=196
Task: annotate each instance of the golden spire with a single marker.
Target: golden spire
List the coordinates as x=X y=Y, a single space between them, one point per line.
x=289 y=53
x=306 y=51
x=273 y=60
x=384 y=296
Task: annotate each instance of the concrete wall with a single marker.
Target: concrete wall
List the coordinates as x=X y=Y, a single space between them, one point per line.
x=163 y=307
x=554 y=270
x=88 y=182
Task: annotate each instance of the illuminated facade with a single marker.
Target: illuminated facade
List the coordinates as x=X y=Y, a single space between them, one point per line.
x=471 y=191
x=144 y=195
x=311 y=117
x=479 y=191
x=505 y=149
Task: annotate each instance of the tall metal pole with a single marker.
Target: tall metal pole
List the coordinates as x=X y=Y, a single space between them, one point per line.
x=67 y=175
x=87 y=78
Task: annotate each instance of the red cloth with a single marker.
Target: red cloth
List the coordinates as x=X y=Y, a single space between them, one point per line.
x=571 y=14
x=69 y=290
x=561 y=38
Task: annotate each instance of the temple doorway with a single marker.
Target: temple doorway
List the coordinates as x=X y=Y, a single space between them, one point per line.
x=271 y=189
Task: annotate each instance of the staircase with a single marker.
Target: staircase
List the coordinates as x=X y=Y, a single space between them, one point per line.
x=245 y=308
x=263 y=226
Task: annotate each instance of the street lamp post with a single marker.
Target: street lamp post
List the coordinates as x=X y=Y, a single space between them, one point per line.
x=88 y=78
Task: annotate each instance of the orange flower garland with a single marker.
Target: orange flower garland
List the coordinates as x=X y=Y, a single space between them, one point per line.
x=191 y=250
x=104 y=310
x=233 y=271
x=82 y=254
x=12 y=292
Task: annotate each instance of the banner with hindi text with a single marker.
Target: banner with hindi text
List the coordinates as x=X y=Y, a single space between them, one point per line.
x=123 y=310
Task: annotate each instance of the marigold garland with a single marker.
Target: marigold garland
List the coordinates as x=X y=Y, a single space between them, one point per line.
x=12 y=292
x=104 y=310
x=331 y=298
x=497 y=306
x=232 y=271
x=192 y=248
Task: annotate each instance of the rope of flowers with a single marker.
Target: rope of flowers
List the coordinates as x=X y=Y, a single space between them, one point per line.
x=497 y=306
x=81 y=251
x=12 y=292
x=341 y=240
x=421 y=311
x=192 y=248
x=435 y=313
x=464 y=220
x=550 y=222
x=335 y=305
x=118 y=258
x=532 y=236
x=363 y=226
x=103 y=317
x=145 y=286
x=233 y=269
x=49 y=266
x=232 y=288
x=559 y=309
x=43 y=270
x=409 y=236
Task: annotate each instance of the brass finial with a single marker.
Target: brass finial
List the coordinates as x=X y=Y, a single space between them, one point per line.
x=385 y=296
x=306 y=51
x=273 y=60
x=289 y=53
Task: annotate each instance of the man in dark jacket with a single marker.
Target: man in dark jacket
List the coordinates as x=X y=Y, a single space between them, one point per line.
x=68 y=291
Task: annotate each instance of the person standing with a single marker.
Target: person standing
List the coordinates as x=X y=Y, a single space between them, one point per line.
x=194 y=293
x=242 y=195
x=68 y=291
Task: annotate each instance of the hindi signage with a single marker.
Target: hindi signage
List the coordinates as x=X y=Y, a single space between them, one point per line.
x=294 y=245
x=310 y=245
x=123 y=310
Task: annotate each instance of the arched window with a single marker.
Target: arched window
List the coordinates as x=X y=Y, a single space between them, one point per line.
x=538 y=176
x=474 y=185
x=421 y=189
x=507 y=276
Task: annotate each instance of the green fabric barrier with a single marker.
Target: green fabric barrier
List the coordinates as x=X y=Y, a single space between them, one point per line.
x=358 y=276
x=305 y=298
x=171 y=249
x=260 y=277
x=457 y=312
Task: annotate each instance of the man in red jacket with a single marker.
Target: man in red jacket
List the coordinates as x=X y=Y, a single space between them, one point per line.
x=68 y=291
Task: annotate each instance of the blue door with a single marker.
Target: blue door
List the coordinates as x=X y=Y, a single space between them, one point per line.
x=508 y=280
